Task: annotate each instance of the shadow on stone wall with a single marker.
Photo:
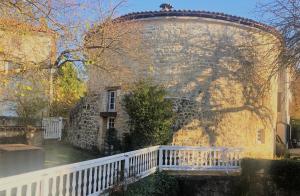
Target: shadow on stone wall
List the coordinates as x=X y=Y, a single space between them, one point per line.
x=236 y=78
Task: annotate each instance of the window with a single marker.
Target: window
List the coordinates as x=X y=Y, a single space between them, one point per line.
x=110 y=123
x=260 y=136
x=111 y=101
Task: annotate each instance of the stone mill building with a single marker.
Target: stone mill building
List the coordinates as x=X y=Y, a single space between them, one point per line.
x=218 y=70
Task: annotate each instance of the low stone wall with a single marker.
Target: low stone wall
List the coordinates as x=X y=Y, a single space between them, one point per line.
x=16 y=121
x=207 y=185
x=21 y=134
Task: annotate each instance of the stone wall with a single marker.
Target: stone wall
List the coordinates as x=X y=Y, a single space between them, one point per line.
x=87 y=129
x=84 y=123
x=228 y=186
x=21 y=134
x=16 y=121
x=215 y=85
x=207 y=185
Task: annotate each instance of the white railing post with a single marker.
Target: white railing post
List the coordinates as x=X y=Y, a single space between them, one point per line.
x=60 y=127
x=44 y=188
x=160 y=159
x=126 y=171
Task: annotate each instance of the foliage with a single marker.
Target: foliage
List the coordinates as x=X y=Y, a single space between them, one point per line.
x=28 y=92
x=29 y=107
x=284 y=16
x=155 y=185
x=68 y=89
x=112 y=141
x=150 y=115
x=284 y=173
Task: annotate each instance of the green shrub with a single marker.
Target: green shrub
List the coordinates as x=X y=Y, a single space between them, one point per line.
x=286 y=174
x=158 y=184
x=112 y=142
x=150 y=116
x=283 y=173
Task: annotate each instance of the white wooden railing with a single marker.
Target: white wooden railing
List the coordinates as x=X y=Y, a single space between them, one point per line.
x=199 y=158
x=96 y=176
x=52 y=127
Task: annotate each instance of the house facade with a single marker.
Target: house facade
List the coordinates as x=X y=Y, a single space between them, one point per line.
x=25 y=50
x=217 y=70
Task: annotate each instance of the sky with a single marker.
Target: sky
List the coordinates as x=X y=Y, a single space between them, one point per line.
x=243 y=8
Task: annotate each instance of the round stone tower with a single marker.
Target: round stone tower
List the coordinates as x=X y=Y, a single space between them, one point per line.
x=216 y=67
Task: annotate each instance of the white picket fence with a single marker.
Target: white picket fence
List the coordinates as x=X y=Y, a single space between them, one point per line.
x=52 y=127
x=96 y=176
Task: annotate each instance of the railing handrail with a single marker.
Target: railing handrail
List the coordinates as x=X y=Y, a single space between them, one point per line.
x=79 y=165
x=200 y=148
x=114 y=157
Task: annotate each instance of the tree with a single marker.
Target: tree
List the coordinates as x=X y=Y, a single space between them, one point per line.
x=150 y=115
x=284 y=15
x=68 y=89
x=29 y=96
x=69 y=23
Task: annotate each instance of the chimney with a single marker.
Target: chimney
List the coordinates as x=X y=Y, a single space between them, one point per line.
x=165 y=7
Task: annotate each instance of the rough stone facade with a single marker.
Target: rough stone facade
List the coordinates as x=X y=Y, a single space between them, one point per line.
x=84 y=123
x=212 y=82
x=87 y=129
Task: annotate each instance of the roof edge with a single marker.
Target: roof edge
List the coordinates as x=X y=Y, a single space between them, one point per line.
x=201 y=14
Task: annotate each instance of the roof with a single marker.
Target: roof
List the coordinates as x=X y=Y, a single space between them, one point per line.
x=200 y=14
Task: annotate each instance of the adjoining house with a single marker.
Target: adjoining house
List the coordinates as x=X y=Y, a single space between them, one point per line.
x=24 y=48
x=218 y=70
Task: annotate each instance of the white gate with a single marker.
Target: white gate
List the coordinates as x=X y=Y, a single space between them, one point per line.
x=52 y=127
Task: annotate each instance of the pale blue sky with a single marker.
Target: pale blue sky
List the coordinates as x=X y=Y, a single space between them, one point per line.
x=243 y=8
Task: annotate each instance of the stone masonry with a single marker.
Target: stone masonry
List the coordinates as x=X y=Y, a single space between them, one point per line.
x=84 y=124
x=214 y=85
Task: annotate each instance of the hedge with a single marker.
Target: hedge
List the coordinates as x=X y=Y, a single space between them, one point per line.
x=284 y=173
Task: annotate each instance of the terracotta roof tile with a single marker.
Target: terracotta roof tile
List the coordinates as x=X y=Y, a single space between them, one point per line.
x=201 y=14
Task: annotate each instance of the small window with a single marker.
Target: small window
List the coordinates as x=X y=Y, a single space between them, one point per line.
x=260 y=136
x=112 y=101
x=110 y=123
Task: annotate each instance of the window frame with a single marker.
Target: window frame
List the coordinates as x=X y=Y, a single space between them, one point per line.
x=109 y=109
x=260 y=136
x=109 y=122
